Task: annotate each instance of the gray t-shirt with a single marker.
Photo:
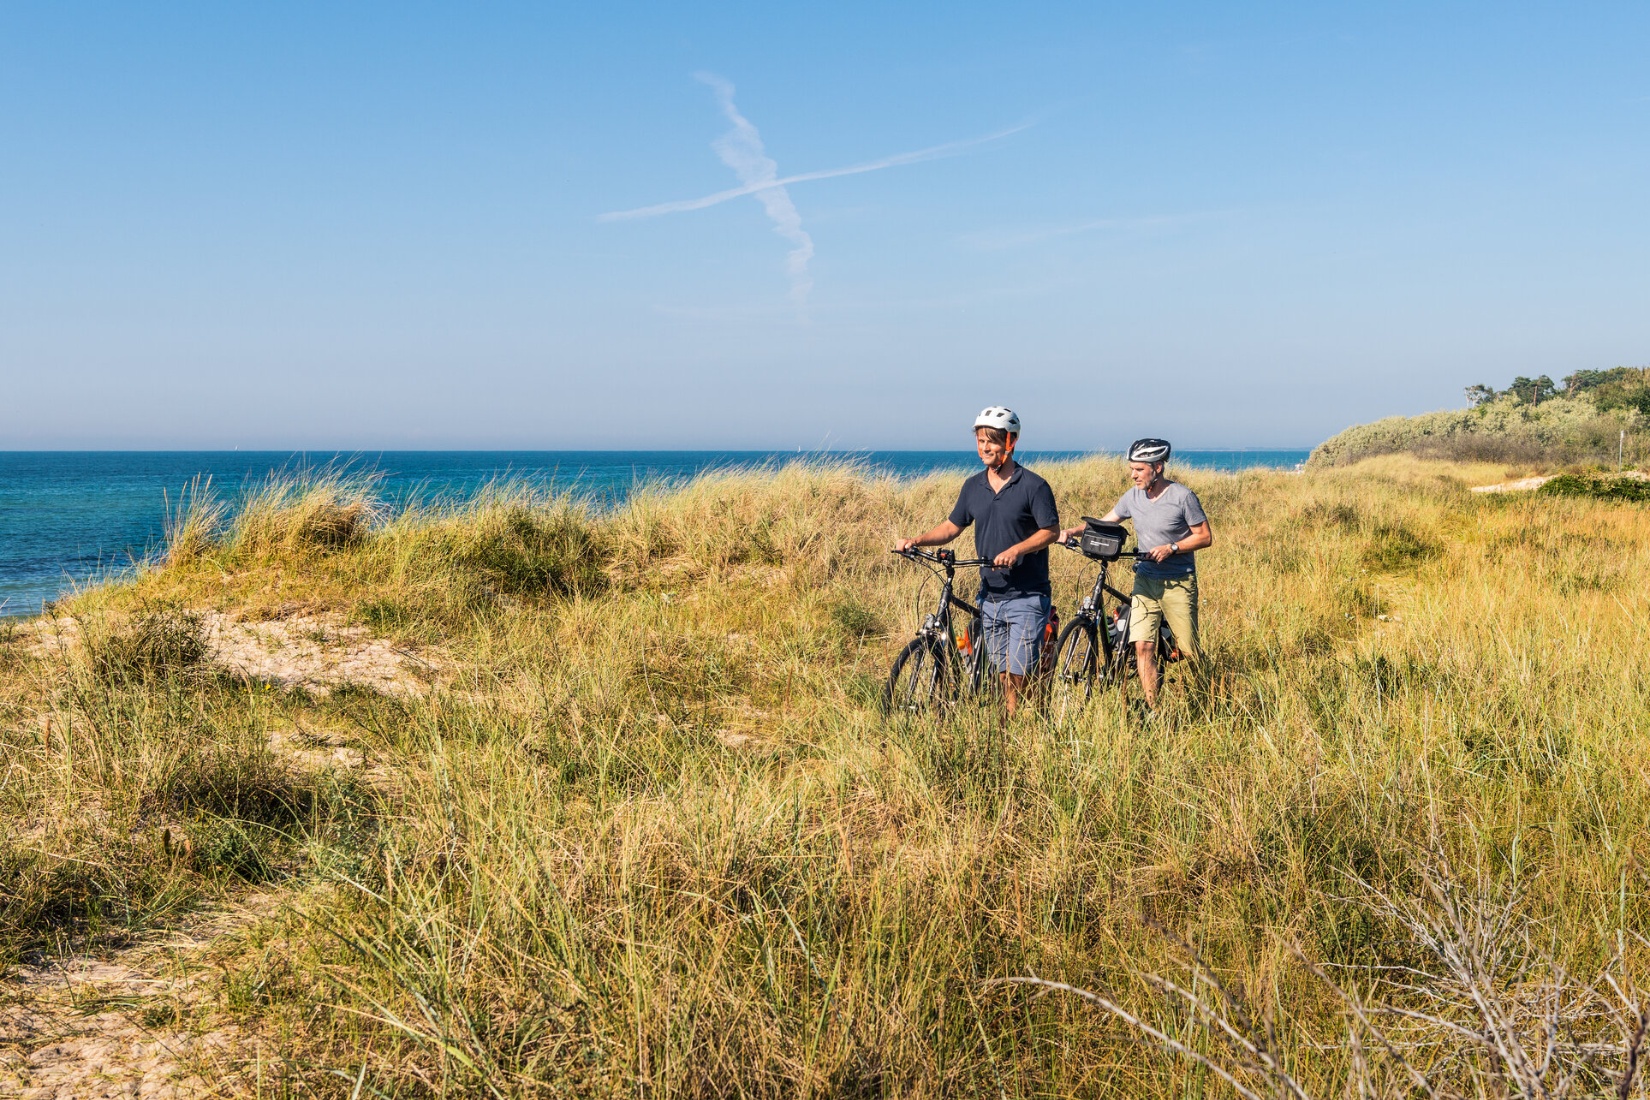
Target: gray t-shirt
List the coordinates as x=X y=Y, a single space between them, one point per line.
x=1169 y=518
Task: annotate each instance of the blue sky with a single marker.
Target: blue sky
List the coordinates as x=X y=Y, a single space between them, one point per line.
x=381 y=226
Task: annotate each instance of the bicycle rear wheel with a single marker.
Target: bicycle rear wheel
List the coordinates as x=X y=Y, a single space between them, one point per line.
x=921 y=679
x=1119 y=659
x=1076 y=663
x=1165 y=645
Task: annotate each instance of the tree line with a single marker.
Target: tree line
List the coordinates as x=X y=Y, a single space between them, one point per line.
x=1615 y=388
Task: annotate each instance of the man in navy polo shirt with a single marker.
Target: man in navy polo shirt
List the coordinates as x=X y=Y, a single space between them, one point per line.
x=1015 y=520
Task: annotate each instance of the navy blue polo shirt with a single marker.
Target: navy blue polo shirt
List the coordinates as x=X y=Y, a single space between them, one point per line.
x=1001 y=519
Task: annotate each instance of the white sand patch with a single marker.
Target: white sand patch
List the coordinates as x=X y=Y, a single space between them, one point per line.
x=317 y=653
x=137 y=1024
x=49 y=636
x=1513 y=486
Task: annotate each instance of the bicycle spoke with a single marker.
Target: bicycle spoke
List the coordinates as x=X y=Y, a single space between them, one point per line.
x=1075 y=665
x=920 y=679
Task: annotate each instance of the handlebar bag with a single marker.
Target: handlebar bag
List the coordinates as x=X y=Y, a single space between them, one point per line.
x=1103 y=541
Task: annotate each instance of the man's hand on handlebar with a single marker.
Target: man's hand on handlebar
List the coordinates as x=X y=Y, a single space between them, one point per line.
x=1006 y=559
x=1160 y=553
x=939 y=536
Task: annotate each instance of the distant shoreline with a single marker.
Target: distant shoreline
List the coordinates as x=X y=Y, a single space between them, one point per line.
x=70 y=517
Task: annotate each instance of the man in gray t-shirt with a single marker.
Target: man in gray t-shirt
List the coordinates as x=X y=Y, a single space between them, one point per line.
x=1169 y=527
x=1166 y=520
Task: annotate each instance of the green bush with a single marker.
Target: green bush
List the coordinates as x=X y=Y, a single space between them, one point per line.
x=1567 y=428
x=1394 y=546
x=45 y=902
x=1599 y=487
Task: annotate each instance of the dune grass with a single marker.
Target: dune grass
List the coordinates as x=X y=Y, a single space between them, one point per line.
x=653 y=837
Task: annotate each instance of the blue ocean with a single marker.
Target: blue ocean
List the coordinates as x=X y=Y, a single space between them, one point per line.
x=69 y=518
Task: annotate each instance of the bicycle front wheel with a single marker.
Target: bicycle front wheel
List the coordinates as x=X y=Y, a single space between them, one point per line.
x=920 y=679
x=1076 y=662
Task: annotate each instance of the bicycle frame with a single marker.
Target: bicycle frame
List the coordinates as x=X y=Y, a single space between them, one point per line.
x=1118 y=656
x=1092 y=609
x=938 y=625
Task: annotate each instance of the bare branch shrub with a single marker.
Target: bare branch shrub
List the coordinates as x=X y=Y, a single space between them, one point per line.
x=1493 y=1012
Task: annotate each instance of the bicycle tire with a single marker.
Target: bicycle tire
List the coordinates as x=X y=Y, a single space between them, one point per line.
x=1076 y=663
x=920 y=679
x=1124 y=662
x=1163 y=648
x=1118 y=665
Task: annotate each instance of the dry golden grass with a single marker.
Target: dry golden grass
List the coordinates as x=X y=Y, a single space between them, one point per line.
x=654 y=836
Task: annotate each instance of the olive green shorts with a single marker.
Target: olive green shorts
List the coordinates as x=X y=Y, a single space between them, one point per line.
x=1160 y=598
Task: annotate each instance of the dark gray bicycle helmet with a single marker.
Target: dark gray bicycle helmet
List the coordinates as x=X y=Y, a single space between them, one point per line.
x=1149 y=450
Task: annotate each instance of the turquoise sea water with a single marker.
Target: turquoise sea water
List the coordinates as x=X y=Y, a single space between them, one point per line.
x=69 y=517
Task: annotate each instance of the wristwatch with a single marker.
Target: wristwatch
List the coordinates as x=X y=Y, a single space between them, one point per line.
x=1174 y=548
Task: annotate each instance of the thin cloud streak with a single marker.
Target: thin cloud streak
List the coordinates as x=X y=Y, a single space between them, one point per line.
x=933 y=152
x=742 y=150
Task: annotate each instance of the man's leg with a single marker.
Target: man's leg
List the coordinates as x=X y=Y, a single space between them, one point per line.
x=1180 y=611
x=1025 y=618
x=1145 y=616
x=995 y=627
x=1145 y=661
x=1011 y=691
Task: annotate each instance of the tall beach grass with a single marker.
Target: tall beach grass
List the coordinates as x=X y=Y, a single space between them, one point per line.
x=652 y=836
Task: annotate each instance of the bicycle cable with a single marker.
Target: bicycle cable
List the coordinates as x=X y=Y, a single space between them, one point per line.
x=932 y=575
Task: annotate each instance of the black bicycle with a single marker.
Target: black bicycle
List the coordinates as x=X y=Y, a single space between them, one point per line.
x=1094 y=647
x=941 y=662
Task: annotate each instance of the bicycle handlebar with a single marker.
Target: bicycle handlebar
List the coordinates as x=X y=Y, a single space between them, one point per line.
x=926 y=555
x=1070 y=544
x=1073 y=545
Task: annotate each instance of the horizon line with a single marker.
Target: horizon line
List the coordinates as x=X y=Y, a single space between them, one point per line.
x=619 y=450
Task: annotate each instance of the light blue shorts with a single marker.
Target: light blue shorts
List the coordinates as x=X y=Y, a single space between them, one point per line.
x=1013 y=628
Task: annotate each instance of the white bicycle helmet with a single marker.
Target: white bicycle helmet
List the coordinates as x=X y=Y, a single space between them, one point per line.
x=1149 y=450
x=998 y=417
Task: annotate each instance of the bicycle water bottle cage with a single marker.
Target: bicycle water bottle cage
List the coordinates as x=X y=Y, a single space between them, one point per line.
x=1102 y=541
x=947 y=556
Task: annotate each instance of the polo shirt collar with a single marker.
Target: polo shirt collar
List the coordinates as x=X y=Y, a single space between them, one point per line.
x=1012 y=478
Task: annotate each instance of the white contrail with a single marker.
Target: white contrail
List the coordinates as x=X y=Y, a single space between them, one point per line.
x=741 y=149
x=933 y=152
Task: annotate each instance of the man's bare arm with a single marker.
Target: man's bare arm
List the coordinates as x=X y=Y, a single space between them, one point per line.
x=937 y=536
x=1045 y=537
x=1109 y=517
x=1200 y=537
